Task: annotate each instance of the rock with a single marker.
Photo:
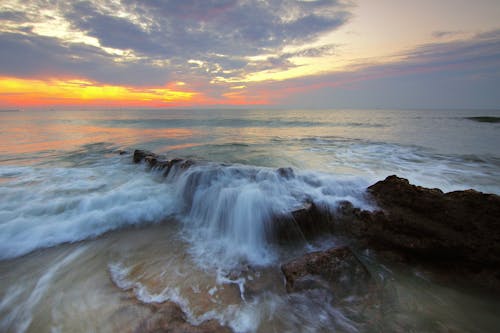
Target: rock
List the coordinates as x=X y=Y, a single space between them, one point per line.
x=302 y=223
x=286 y=173
x=168 y=317
x=336 y=269
x=461 y=225
x=458 y=232
x=187 y=164
x=159 y=163
x=144 y=155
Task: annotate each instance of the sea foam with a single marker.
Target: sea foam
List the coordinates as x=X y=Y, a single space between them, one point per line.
x=43 y=207
x=227 y=210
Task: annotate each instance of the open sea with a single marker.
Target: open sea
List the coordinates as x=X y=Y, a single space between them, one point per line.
x=88 y=238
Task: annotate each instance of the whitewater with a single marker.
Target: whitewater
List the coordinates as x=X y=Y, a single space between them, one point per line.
x=81 y=224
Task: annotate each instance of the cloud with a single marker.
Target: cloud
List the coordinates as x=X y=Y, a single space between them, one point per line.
x=461 y=73
x=90 y=38
x=12 y=15
x=45 y=57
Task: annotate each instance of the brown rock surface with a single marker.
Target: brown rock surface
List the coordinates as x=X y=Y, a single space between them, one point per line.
x=336 y=269
x=458 y=232
x=461 y=225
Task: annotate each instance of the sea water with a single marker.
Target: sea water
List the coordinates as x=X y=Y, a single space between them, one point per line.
x=87 y=236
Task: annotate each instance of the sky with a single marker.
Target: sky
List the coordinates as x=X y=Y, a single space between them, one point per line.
x=272 y=53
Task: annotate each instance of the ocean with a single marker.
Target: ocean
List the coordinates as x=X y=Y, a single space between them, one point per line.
x=88 y=238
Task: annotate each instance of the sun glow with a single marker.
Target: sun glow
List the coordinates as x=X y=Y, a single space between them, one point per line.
x=31 y=93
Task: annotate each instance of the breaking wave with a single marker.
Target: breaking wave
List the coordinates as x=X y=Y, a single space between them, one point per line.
x=226 y=210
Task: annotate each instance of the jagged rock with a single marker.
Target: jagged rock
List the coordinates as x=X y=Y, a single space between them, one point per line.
x=144 y=155
x=336 y=269
x=461 y=225
x=159 y=163
x=458 y=232
x=168 y=317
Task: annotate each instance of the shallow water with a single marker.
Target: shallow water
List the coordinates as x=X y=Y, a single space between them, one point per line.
x=201 y=238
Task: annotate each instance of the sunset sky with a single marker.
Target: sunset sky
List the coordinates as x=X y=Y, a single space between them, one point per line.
x=290 y=53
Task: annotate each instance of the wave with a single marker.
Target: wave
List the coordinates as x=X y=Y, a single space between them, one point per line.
x=43 y=207
x=228 y=122
x=226 y=210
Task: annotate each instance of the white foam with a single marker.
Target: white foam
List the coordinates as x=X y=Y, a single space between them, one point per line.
x=228 y=212
x=43 y=207
x=376 y=160
x=120 y=277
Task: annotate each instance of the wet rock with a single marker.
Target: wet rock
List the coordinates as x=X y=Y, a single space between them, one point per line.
x=303 y=223
x=458 y=232
x=122 y=152
x=461 y=225
x=160 y=163
x=187 y=164
x=168 y=317
x=286 y=173
x=336 y=269
x=144 y=155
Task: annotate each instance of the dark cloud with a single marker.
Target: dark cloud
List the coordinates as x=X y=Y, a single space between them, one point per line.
x=197 y=28
x=222 y=34
x=112 y=31
x=38 y=56
x=13 y=16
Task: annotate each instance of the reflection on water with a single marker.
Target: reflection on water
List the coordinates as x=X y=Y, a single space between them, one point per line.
x=61 y=180
x=106 y=284
x=33 y=138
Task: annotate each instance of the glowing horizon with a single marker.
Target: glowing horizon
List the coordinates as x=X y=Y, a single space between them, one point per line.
x=36 y=93
x=284 y=53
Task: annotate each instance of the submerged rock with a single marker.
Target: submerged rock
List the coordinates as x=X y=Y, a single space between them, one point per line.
x=168 y=317
x=336 y=269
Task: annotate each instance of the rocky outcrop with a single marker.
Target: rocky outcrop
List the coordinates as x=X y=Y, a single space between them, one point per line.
x=159 y=162
x=457 y=233
x=336 y=269
x=458 y=230
x=168 y=317
x=457 y=226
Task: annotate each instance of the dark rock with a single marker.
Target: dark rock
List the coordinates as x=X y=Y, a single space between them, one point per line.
x=168 y=317
x=303 y=223
x=461 y=225
x=144 y=155
x=170 y=164
x=159 y=163
x=122 y=152
x=286 y=173
x=336 y=269
x=457 y=231
x=187 y=164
